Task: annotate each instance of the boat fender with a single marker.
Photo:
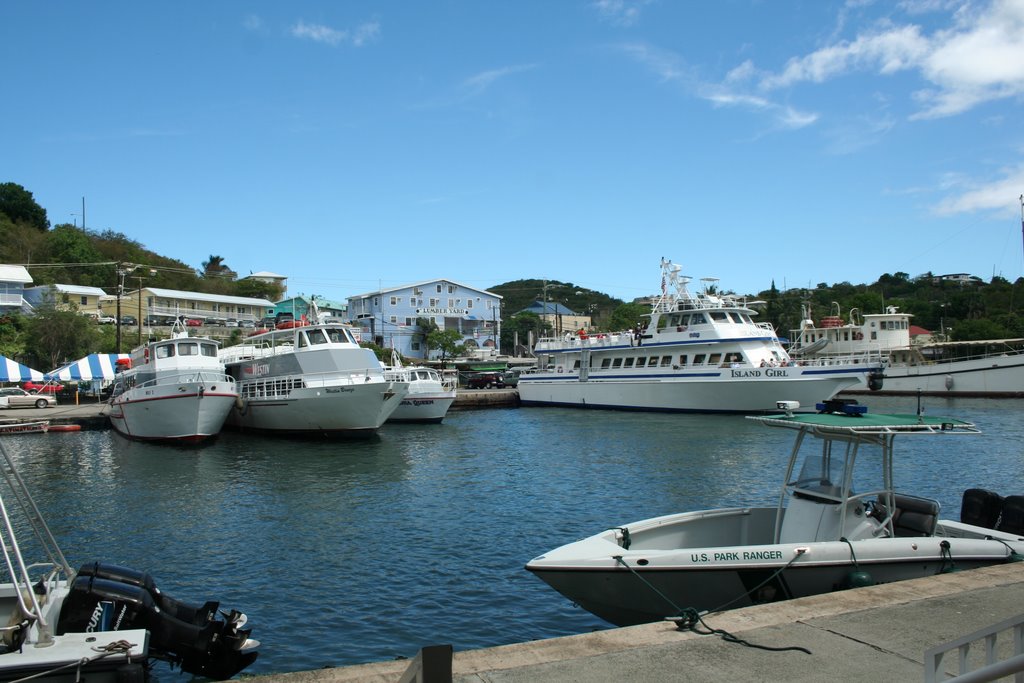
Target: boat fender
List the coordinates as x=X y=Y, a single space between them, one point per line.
x=240 y=404
x=875 y=381
x=949 y=381
x=146 y=354
x=857 y=578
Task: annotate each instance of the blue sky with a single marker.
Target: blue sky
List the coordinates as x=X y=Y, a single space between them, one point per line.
x=352 y=145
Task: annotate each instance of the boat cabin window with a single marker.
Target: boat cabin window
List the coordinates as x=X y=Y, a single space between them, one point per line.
x=666 y=361
x=188 y=349
x=576 y=365
x=617 y=363
x=698 y=359
x=165 y=351
x=698 y=319
x=316 y=337
x=682 y=360
x=208 y=350
x=715 y=358
x=719 y=316
x=628 y=363
x=339 y=335
x=606 y=363
x=302 y=341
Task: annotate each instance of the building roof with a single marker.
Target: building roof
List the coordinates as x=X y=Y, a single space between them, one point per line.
x=80 y=290
x=423 y=283
x=202 y=296
x=14 y=274
x=267 y=274
x=916 y=330
x=548 y=308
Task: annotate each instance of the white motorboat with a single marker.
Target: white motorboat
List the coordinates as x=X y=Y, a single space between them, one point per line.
x=314 y=380
x=992 y=368
x=696 y=353
x=102 y=623
x=430 y=396
x=839 y=523
x=172 y=390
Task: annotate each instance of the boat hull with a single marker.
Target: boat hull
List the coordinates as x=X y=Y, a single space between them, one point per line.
x=185 y=412
x=424 y=408
x=724 y=559
x=352 y=409
x=994 y=376
x=716 y=392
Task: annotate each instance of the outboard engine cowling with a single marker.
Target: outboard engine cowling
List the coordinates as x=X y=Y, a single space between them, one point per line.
x=200 y=643
x=192 y=614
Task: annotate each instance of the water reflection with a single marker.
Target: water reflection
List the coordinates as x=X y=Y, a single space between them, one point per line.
x=345 y=552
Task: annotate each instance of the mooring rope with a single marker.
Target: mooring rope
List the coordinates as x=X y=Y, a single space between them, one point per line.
x=688 y=618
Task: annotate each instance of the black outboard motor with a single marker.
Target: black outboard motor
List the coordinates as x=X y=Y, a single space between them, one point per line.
x=111 y=598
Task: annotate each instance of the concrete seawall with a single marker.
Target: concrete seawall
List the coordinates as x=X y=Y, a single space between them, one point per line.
x=879 y=633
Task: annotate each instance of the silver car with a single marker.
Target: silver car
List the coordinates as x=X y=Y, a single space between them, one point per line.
x=19 y=398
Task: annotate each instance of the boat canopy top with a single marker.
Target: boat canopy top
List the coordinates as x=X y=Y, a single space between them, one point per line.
x=839 y=417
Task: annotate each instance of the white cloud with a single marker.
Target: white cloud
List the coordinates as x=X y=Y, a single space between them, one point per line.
x=619 y=12
x=978 y=59
x=479 y=82
x=1000 y=194
x=320 y=33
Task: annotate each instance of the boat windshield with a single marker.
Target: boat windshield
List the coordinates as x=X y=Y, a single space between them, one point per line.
x=821 y=475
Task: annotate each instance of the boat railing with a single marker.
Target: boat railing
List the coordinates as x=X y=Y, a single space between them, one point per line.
x=993 y=667
x=186 y=378
x=21 y=573
x=281 y=386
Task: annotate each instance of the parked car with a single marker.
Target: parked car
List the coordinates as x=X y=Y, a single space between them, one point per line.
x=216 y=322
x=269 y=323
x=19 y=398
x=485 y=380
x=193 y=322
x=46 y=388
x=247 y=323
x=129 y=320
x=156 y=320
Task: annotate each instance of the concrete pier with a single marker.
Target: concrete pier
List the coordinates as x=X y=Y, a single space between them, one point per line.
x=879 y=633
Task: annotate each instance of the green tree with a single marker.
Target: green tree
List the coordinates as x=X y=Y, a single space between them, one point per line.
x=448 y=342
x=19 y=205
x=67 y=245
x=12 y=335
x=626 y=316
x=55 y=336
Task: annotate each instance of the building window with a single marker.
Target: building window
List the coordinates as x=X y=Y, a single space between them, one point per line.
x=433 y=303
x=376 y=302
x=439 y=288
x=469 y=303
x=85 y=300
x=394 y=320
x=451 y=303
x=415 y=346
x=394 y=301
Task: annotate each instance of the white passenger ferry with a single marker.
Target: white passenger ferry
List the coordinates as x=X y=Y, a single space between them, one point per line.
x=695 y=353
x=310 y=380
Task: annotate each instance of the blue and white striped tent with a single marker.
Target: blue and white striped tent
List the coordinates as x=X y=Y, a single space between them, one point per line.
x=11 y=371
x=93 y=366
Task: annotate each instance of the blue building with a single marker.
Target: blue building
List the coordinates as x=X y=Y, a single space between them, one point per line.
x=388 y=316
x=13 y=281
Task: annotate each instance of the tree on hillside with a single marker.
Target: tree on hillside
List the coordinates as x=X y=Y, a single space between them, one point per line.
x=55 y=336
x=68 y=245
x=13 y=330
x=216 y=268
x=17 y=203
x=258 y=289
x=626 y=316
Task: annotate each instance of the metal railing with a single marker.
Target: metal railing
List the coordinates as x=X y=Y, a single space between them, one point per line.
x=993 y=667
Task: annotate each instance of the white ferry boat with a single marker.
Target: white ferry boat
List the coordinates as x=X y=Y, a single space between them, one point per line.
x=695 y=353
x=313 y=380
x=172 y=390
x=991 y=368
x=429 y=398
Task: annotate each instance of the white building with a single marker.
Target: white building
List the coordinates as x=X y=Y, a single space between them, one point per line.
x=388 y=316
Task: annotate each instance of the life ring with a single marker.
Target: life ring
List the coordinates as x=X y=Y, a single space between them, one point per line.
x=146 y=354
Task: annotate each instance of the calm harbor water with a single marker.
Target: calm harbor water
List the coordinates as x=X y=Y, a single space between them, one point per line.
x=350 y=552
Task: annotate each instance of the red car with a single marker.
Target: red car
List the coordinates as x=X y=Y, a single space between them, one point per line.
x=36 y=388
x=193 y=322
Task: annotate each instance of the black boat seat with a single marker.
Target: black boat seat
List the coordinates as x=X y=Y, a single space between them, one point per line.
x=1012 y=519
x=981 y=507
x=914 y=516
